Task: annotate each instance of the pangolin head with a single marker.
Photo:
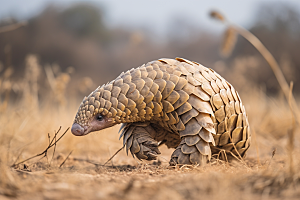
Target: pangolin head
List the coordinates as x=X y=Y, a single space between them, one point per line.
x=95 y=112
x=123 y=100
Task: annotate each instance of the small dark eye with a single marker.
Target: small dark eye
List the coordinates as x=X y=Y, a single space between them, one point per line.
x=100 y=118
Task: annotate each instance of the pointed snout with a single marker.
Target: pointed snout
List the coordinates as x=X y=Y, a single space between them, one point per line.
x=77 y=129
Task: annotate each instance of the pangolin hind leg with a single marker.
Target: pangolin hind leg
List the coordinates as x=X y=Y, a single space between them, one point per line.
x=191 y=150
x=196 y=137
x=139 y=140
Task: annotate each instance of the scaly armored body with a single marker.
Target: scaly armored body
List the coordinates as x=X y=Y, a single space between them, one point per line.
x=175 y=102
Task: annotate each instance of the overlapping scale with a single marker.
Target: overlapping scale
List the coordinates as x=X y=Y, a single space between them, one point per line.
x=182 y=97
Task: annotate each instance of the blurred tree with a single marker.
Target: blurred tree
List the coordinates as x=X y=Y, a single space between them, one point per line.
x=278 y=18
x=85 y=20
x=78 y=37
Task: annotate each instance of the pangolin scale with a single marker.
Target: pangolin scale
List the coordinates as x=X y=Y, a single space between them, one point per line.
x=175 y=102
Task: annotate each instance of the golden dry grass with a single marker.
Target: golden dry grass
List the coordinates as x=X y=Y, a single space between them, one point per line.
x=26 y=123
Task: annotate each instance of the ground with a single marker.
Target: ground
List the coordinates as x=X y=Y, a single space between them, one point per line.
x=83 y=180
x=270 y=170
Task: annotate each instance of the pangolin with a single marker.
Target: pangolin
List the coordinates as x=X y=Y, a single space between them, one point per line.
x=175 y=102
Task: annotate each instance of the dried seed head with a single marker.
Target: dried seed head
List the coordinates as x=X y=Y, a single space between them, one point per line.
x=216 y=15
x=229 y=41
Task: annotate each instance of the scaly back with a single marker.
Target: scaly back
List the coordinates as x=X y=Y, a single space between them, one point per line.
x=181 y=96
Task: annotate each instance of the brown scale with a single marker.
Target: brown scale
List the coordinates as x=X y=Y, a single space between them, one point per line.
x=175 y=102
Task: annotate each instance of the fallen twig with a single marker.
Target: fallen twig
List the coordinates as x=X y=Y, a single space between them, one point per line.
x=65 y=160
x=44 y=153
x=54 y=148
x=113 y=155
x=97 y=164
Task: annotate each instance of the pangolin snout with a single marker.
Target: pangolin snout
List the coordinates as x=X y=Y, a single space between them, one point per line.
x=77 y=129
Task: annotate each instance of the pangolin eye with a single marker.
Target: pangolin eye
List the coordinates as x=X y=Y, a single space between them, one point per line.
x=100 y=118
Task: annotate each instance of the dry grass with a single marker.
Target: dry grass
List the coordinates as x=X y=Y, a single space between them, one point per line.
x=271 y=170
x=232 y=30
x=24 y=133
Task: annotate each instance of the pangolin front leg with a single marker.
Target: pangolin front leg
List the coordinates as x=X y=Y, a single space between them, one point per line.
x=139 y=140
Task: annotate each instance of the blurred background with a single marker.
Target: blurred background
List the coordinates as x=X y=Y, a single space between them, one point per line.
x=53 y=53
x=94 y=41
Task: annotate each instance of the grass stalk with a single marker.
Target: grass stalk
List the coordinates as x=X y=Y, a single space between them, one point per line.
x=268 y=57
